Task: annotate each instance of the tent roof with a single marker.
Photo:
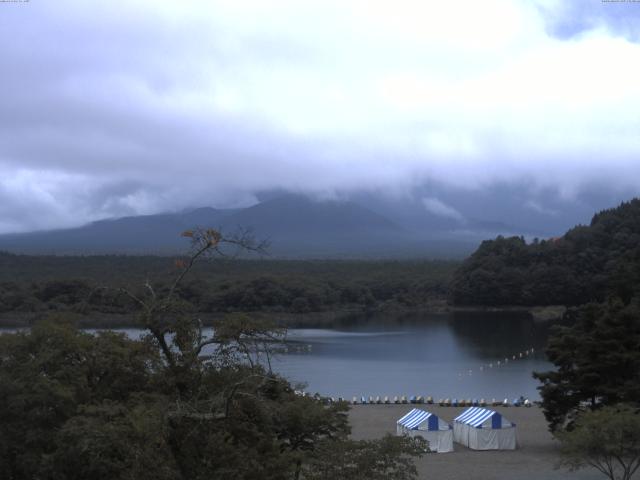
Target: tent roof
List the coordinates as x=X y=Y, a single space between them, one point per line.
x=475 y=416
x=414 y=418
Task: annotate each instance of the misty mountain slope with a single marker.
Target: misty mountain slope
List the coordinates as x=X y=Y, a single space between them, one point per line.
x=298 y=226
x=296 y=214
x=516 y=207
x=205 y=217
x=295 y=226
x=289 y=221
x=140 y=234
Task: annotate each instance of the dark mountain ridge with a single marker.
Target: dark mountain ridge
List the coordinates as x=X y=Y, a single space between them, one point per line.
x=297 y=214
x=292 y=223
x=138 y=234
x=295 y=225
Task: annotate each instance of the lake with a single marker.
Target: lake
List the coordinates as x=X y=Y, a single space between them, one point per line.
x=454 y=355
x=458 y=355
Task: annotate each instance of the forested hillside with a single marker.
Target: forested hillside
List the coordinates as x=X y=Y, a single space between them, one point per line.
x=41 y=284
x=588 y=263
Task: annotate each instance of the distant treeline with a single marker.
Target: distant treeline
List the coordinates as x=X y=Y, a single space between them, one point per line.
x=42 y=284
x=587 y=264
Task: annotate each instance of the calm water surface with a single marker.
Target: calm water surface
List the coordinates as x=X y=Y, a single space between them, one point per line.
x=452 y=355
x=447 y=355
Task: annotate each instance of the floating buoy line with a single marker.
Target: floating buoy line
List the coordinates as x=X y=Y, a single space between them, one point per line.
x=292 y=347
x=443 y=402
x=500 y=363
x=403 y=399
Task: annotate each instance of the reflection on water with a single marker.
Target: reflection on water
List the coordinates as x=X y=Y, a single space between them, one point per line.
x=442 y=355
x=450 y=355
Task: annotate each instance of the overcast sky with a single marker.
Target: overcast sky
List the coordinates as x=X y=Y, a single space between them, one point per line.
x=120 y=107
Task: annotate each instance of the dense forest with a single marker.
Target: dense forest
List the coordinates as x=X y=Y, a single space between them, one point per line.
x=589 y=263
x=31 y=286
x=76 y=405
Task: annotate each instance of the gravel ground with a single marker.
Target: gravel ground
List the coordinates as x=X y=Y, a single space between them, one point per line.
x=535 y=458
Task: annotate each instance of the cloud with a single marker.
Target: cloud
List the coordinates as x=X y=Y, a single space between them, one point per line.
x=538 y=208
x=123 y=107
x=437 y=207
x=569 y=19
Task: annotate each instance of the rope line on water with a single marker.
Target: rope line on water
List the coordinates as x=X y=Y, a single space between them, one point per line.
x=500 y=363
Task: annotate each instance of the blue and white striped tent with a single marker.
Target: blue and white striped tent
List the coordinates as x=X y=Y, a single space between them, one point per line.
x=437 y=432
x=483 y=429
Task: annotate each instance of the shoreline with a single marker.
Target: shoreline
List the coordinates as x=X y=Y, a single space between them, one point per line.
x=320 y=319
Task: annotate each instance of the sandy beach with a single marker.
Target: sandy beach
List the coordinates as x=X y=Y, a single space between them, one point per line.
x=535 y=458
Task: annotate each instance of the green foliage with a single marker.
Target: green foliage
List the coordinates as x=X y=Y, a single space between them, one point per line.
x=607 y=439
x=112 y=440
x=390 y=458
x=586 y=264
x=48 y=375
x=75 y=405
x=597 y=360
